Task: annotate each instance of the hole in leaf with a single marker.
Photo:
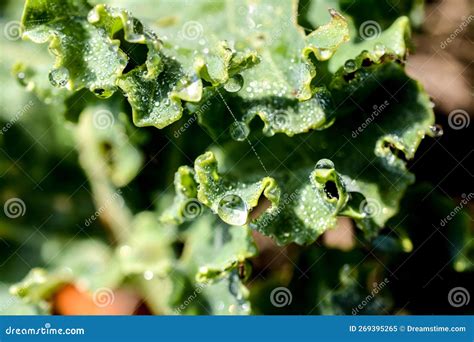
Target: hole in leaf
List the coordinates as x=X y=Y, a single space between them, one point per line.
x=136 y=53
x=331 y=191
x=395 y=151
x=366 y=62
x=107 y=151
x=349 y=77
x=99 y=91
x=178 y=247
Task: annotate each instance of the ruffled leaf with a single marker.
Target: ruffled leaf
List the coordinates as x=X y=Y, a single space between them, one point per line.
x=89 y=264
x=216 y=253
x=85 y=55
x=216 y=248
x=148 y=250
x=356 y=169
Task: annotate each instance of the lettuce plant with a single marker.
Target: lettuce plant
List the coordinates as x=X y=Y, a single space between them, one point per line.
x=202 y=125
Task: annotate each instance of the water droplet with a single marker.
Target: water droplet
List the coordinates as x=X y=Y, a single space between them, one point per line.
x=59 y=77
x=93 y=16
x=21 y=76
x=239 y=131
x=234 y=84
x=220 y=306
x=281 y=118
x=436 y=130
x=103 y=93
x=125 y=250
x=323 y=54
x=192 y=91
x=324 y=164
x=234 y=286
x=245 y=307
x=232 y=210
x=350 y=66
x=148 y=275
x=379 y=49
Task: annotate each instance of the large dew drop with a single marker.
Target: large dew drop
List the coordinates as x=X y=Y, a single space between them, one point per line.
x=350 y=66
x=234 y=84
x=103 y=93
x=191 y=90
x=232 y=210
x=436 y=131
x=325 y=164
x=239 y=131
x=59 y=77
x=323 y=54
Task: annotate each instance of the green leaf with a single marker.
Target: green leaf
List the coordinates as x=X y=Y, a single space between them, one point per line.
x=213 y=248
x=231 y=200
x=85 y=55
x=185 y=205
x=227 y=296
x=350 y=297
x=279 y=88
x=216 y=254
x=89 y=264
x=39 y=286
x=297 y=127
x=356 y=168
x=89 y=53
x=149 y=247
x=392 y=41
x=12 y=305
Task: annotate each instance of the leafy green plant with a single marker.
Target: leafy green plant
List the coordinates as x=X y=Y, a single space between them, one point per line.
x=269 y=118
